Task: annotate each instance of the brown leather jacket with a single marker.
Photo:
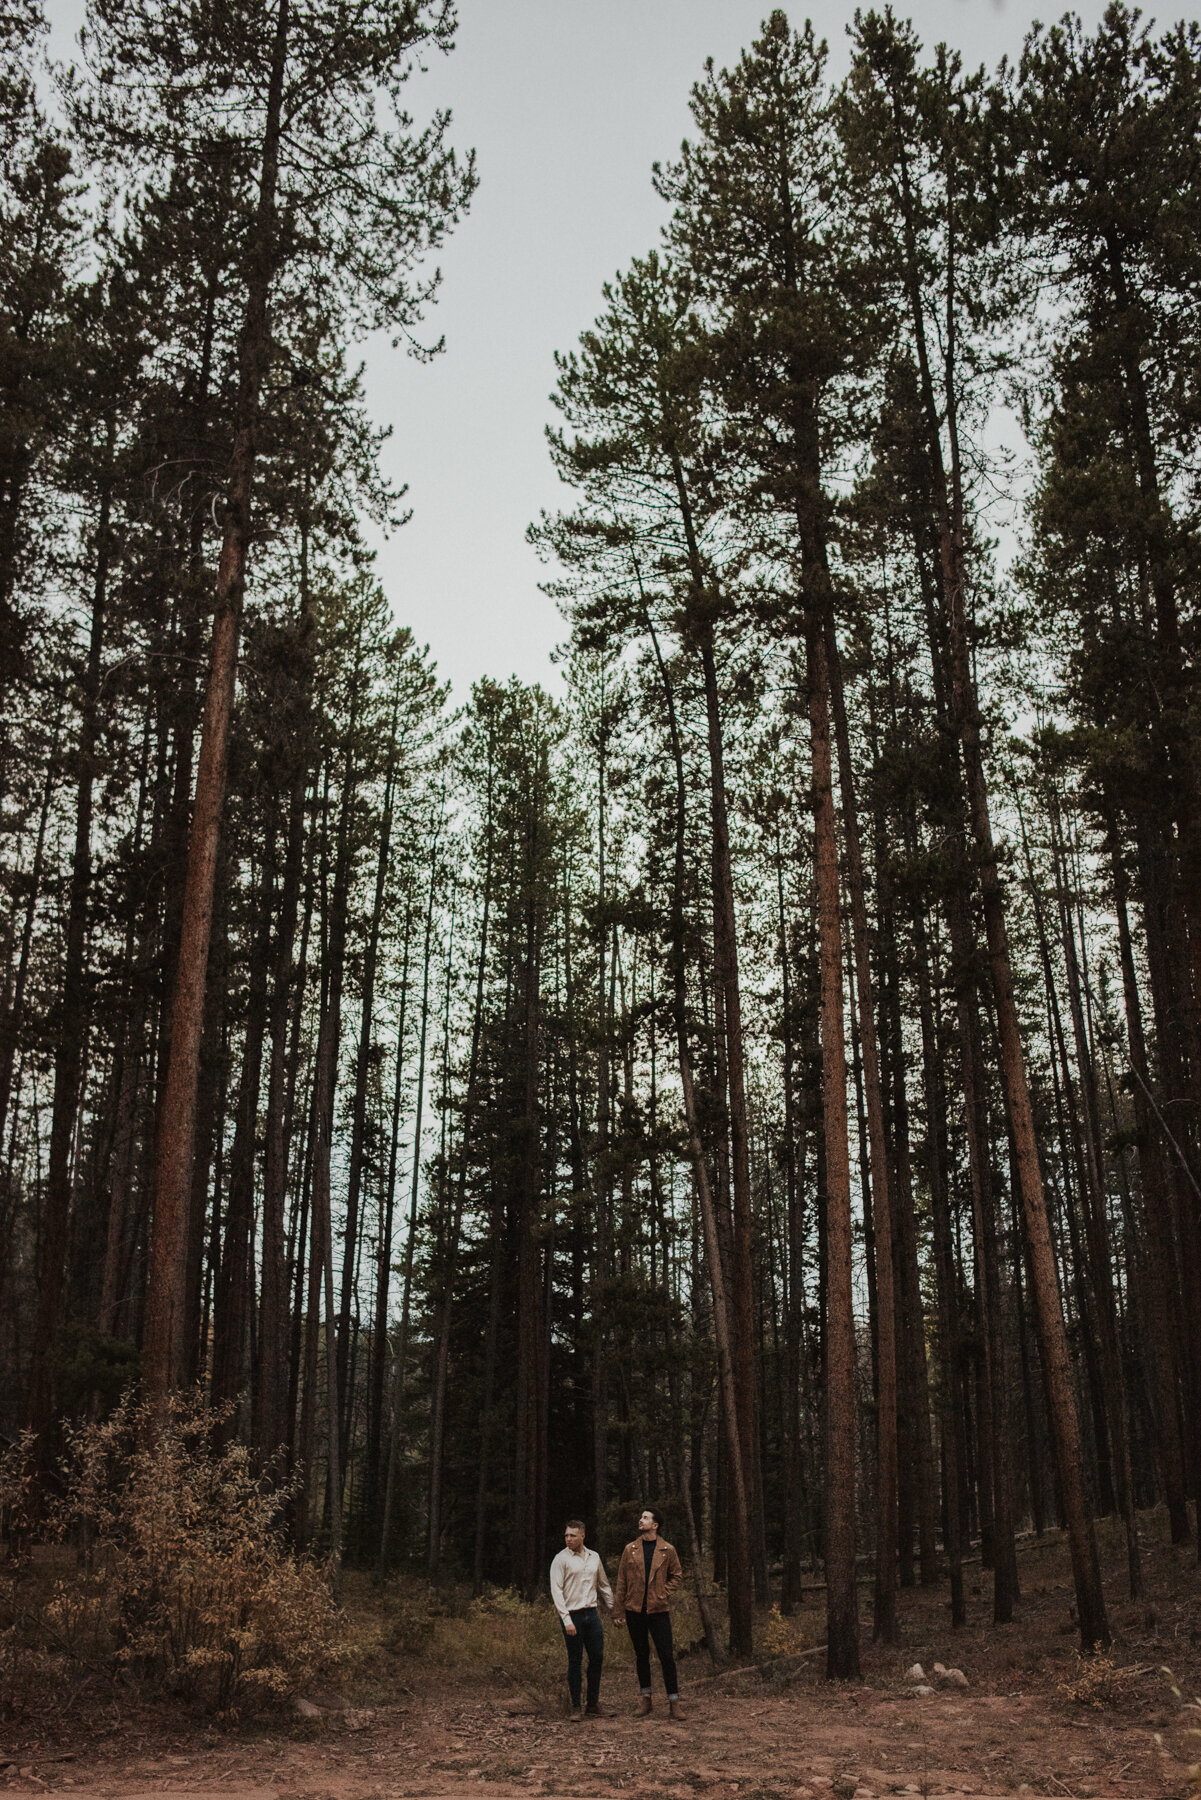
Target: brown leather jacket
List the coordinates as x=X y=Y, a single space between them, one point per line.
x=666 y=1576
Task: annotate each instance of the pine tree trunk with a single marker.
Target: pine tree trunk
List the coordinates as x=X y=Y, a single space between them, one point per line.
x=325 y=1079
x=14 y=1011
x=233 y=1299
x=73 y=1018
x=487 y=1433
x=358 y=1111
x=602 y=1232
x=270 y=1410
x=884 y=1627
x=1172 y=679
x=739 y=1573
x=164 y=1330
x=1086 y=1568
x=299 y=1233
x=993 y=1474
x=377 y=1379
x=937 y=1161
x=1097 y=1231
x=842 y=1604
x=1163 y=1329
x=401 y=1358
x=794 y=1296
x=308 y=1351
x=269 y=1404
x=730 y=1054
x=964 y=709
x=725 y=956
x=1175 y=1058
x=442 y=1323
x=120 y=1182
x=911 y=1349
x=527 y=1486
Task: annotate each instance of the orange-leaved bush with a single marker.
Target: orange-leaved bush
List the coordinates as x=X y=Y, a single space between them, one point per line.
x=186 y=1579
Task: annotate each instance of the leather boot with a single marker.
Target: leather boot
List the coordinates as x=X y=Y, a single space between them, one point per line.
x=645 y=1705
x=676 y=1708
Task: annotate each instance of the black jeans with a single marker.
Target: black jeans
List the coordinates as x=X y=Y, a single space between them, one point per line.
x=656 y=1626
x=589 y=1636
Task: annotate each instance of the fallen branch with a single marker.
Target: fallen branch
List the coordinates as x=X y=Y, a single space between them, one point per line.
x=756 y=1668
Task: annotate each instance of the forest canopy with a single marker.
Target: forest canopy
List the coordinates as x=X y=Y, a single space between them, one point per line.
x=762 y=1080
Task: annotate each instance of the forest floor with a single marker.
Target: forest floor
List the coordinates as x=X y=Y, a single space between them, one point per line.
x=478 y=1708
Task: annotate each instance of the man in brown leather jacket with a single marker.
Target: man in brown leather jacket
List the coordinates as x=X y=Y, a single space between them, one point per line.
x=647 y=1577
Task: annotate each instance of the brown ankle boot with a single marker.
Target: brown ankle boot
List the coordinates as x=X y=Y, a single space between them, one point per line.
x=676 y=1708
x=645 y=1704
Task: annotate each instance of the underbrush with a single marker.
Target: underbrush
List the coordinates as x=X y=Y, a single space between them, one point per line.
x=498 y=1631
x=497 y=1634
x=1189 y=1728
x=163 y=1563
x=782 y=1636
x=1098 y=1681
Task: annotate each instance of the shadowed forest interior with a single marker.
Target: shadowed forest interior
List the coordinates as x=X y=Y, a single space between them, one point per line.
x=761 y=1079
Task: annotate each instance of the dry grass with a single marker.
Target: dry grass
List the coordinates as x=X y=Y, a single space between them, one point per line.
x=422 y=1634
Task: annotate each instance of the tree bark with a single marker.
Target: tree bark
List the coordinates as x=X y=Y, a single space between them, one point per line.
x=1097 y=1230
x=884 y=1625
x=73 y=1014
x=233 y=1298
x=964 y=708
x=529 y=1472
x=163 y=1338
x=446 y=1296
x=325 y=1077
x=1158 y=1282
x=401 y=1355
x=269 y=1406
x=725 y=956
x=378 y=1368
x=951 y=1409
x=739 y=1583
x=842 y=1604
x=730 y=1050
x=358 y=1113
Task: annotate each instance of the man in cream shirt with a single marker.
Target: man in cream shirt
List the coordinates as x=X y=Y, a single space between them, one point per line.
x=575 y=1576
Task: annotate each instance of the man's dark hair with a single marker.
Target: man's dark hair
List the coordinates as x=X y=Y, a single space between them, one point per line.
x=656 y=1516
x=575 y=1525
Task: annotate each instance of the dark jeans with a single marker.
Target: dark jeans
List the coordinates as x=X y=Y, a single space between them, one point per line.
x=589 y=1636
x=657 y=1626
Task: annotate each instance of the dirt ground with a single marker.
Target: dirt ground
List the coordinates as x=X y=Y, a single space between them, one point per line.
x=1032 y=1720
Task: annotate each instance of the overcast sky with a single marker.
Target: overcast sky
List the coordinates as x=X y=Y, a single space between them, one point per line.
x=567 y=104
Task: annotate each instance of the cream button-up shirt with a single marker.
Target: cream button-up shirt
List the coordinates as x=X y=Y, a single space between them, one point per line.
x=575 y=1579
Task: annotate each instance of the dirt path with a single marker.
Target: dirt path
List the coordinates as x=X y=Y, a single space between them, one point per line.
x=433 y=1724
x=863 y=1742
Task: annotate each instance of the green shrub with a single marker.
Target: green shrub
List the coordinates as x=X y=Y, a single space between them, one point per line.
x=410 y=1626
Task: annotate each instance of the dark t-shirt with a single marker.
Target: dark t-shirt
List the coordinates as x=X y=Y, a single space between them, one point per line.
x=648 y=1556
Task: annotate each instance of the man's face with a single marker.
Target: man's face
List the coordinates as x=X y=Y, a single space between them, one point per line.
x=573 y=1537
x=647 y=1522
